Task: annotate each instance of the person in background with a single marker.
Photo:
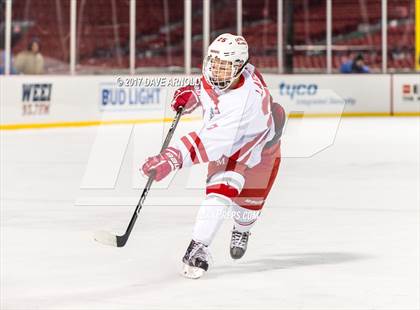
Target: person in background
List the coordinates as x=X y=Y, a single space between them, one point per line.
x=356 y=65
x=30 y=61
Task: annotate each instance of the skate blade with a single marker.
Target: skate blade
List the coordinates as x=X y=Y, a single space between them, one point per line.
x=191 y=272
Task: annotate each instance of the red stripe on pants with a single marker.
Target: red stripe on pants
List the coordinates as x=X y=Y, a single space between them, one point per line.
x=222 y=189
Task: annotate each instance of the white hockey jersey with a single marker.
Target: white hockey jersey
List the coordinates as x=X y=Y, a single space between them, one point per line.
x=236 y=123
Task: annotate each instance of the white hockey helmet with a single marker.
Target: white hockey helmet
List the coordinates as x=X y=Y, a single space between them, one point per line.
x=226 y=58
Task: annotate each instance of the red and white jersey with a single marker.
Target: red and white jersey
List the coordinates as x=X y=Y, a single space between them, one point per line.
x=236 y=123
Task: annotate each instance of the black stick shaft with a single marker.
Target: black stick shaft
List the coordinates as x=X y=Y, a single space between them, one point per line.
x=121 y=240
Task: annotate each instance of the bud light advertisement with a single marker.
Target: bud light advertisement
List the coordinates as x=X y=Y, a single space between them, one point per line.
x=115 y=98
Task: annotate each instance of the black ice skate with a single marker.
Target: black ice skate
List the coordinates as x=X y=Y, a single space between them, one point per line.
x=238 y=243
x=196 y=260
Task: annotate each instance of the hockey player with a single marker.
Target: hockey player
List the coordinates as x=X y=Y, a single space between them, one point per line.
x=240 y=141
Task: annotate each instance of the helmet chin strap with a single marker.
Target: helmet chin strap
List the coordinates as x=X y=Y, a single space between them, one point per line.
x=241 y=70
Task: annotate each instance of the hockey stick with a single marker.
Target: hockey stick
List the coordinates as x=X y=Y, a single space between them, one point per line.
x=107 y=238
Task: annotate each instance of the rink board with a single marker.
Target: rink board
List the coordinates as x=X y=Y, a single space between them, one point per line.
x=83 y=99
x=406 y=93
x=331 y=94
x=64 y=101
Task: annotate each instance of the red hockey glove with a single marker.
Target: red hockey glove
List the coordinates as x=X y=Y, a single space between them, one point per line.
x=186 y=97
x=163 y=164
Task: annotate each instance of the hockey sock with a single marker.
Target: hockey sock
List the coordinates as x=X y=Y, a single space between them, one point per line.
x=209 y=218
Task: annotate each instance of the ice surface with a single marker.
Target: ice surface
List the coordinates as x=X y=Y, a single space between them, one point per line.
x=340 y=229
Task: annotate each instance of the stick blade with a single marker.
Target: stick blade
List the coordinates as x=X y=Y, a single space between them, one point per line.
x=106 y=238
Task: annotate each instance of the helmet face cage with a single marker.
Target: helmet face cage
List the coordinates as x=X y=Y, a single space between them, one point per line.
x=221 y=73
